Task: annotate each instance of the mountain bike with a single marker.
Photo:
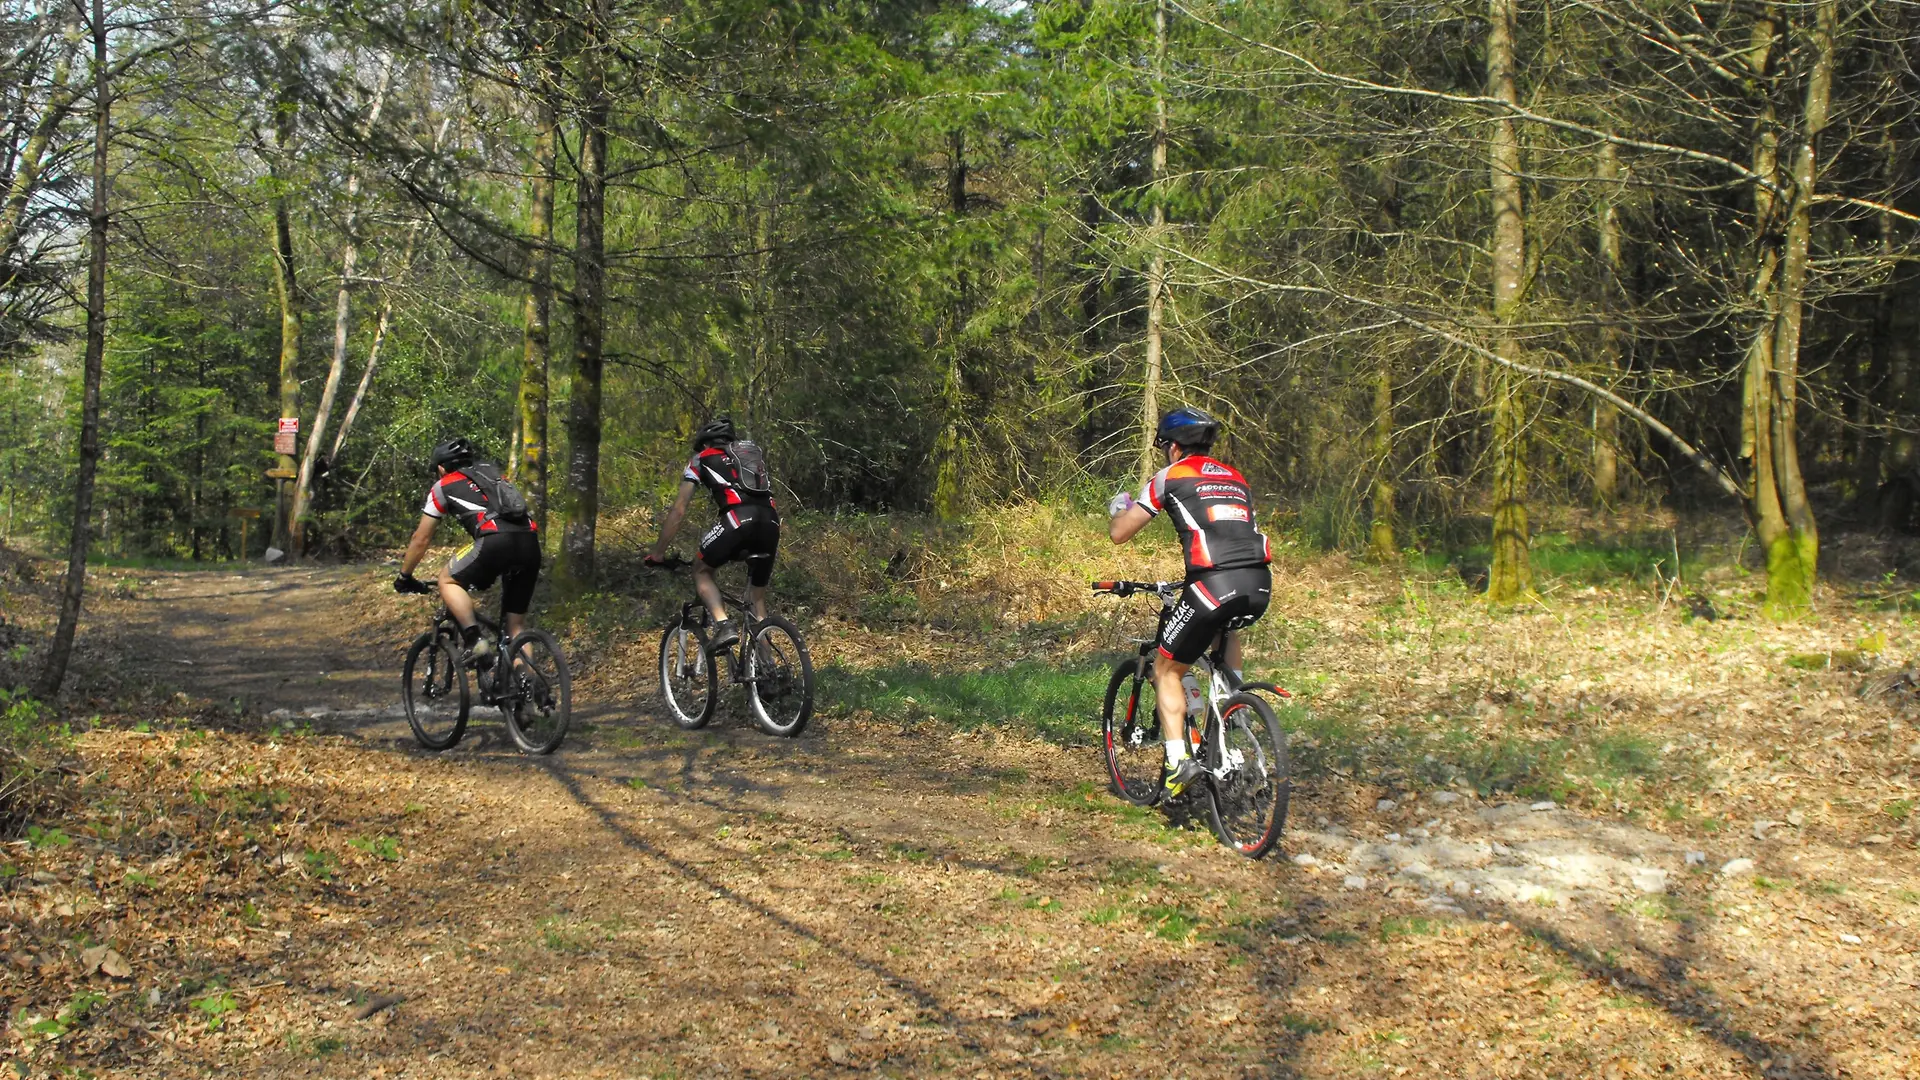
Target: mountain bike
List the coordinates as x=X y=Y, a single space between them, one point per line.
x=1234 y=735
x=533 y=690
x=771 y=661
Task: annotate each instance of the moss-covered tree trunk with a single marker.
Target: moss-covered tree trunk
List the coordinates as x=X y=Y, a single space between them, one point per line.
x=286 y=290
x=1511 y=575
x=1380 y=542
x=1157 y=267
x=537 y=354
x=1605 y=466
x=80 y=537
x=581 y=495
x=1788 y=531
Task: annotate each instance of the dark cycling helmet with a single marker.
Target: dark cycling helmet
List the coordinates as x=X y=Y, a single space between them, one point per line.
x=454 y=453
x=717 y=430
x=1188 y=428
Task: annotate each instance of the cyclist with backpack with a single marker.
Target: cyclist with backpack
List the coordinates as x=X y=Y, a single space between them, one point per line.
x=1228 y=583
x=506 y=542
x=734 y=472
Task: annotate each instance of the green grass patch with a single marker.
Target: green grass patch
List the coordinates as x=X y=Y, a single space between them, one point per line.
x=1059 y=705
x=1568 y=558
x=321 y=864
x=216 y=1006
x=1600 y=765
x=1649 y=906
x=1412 y=926
x=1898 y=809
x=1131 y=872
x=380 y=847
x=1169 y=922
x=1302 y=1025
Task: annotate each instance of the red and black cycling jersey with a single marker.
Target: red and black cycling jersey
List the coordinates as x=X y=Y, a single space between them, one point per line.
x=470 y=503
x=712 y=468
x=1212 y=511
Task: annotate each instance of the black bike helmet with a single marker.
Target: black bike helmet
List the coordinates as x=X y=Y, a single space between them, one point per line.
x=717 y=430
x=454 y=453
x=1188 y=428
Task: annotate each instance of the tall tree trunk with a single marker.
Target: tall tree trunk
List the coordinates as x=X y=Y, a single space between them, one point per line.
x=342 y=324
x=1511 y=575
x=1157 y=268
x=1790 y=535
x=582 y=495
x=949 y=447
x=1380 y=544
x=80 y=537
x=366 y=378
x=535 y=362
x=287 y=290
x=1613 y=334
x=407 y=252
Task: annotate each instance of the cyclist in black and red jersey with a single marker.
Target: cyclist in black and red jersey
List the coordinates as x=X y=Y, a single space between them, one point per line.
x=734 y=472
x=506 y=542
x=1228 y=583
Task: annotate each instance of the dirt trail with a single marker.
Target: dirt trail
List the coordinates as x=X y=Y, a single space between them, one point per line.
x=906 y=902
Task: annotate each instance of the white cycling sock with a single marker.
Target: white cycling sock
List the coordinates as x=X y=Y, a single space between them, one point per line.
x=1176 y=751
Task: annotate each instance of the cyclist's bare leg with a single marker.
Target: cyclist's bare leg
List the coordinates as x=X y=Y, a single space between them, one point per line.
x=1172 y=697
x=458 y=600
x=1231 y=654
x=703 y=584
x=757 y=600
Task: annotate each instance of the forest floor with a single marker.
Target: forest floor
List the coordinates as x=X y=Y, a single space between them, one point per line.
x=257 y=870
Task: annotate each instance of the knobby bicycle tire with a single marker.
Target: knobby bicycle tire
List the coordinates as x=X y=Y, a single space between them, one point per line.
x=780 y=677
x=688 y=675
x=541 y=693
x=1135 y=753
x=432 y=682
x=1248 y=804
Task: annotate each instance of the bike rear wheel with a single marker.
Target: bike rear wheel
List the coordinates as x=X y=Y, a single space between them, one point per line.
x=1248 y=791
x=1130 y=729
x=779 y=678
x=687 y=678
x=434 y=688
x=538 y=699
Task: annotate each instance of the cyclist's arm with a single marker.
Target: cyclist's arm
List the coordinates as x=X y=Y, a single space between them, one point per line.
x=417 y=546
x=674 y=517
x=1127 y=523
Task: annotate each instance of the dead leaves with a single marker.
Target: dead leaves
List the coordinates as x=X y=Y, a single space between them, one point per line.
x=105 y=960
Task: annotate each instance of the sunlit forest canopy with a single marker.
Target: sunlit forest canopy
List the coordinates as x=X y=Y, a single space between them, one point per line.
x=1437 y=266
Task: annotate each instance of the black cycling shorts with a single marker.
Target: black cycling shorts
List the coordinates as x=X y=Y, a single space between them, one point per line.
x=512 y=558
x=1210 y=605
x=750 y=533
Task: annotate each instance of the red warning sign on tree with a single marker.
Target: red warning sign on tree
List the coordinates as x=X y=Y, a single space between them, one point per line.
x=285 y=439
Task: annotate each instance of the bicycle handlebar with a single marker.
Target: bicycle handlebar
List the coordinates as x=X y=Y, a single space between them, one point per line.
x=1128 y=588
x=671 y=562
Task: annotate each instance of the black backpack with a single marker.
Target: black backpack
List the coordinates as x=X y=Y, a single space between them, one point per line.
x=504 y=501
x=750 y=467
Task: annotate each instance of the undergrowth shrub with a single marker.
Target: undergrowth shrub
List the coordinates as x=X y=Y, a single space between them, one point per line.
x=30 y=751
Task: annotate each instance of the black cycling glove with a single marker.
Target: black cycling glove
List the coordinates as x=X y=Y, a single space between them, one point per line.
x=407 y=583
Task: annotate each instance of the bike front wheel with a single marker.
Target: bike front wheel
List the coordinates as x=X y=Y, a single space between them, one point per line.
x=434 y=688
x=687 y=679
x=779 y=678
x=1130 y=729
x=539 y=694
x=1250 y=785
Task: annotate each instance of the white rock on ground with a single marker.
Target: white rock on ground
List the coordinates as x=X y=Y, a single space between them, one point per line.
x=1736 y=867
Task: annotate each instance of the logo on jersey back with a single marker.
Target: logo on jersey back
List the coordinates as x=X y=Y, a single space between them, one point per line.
x=1214 y=468
x=1228 y=513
